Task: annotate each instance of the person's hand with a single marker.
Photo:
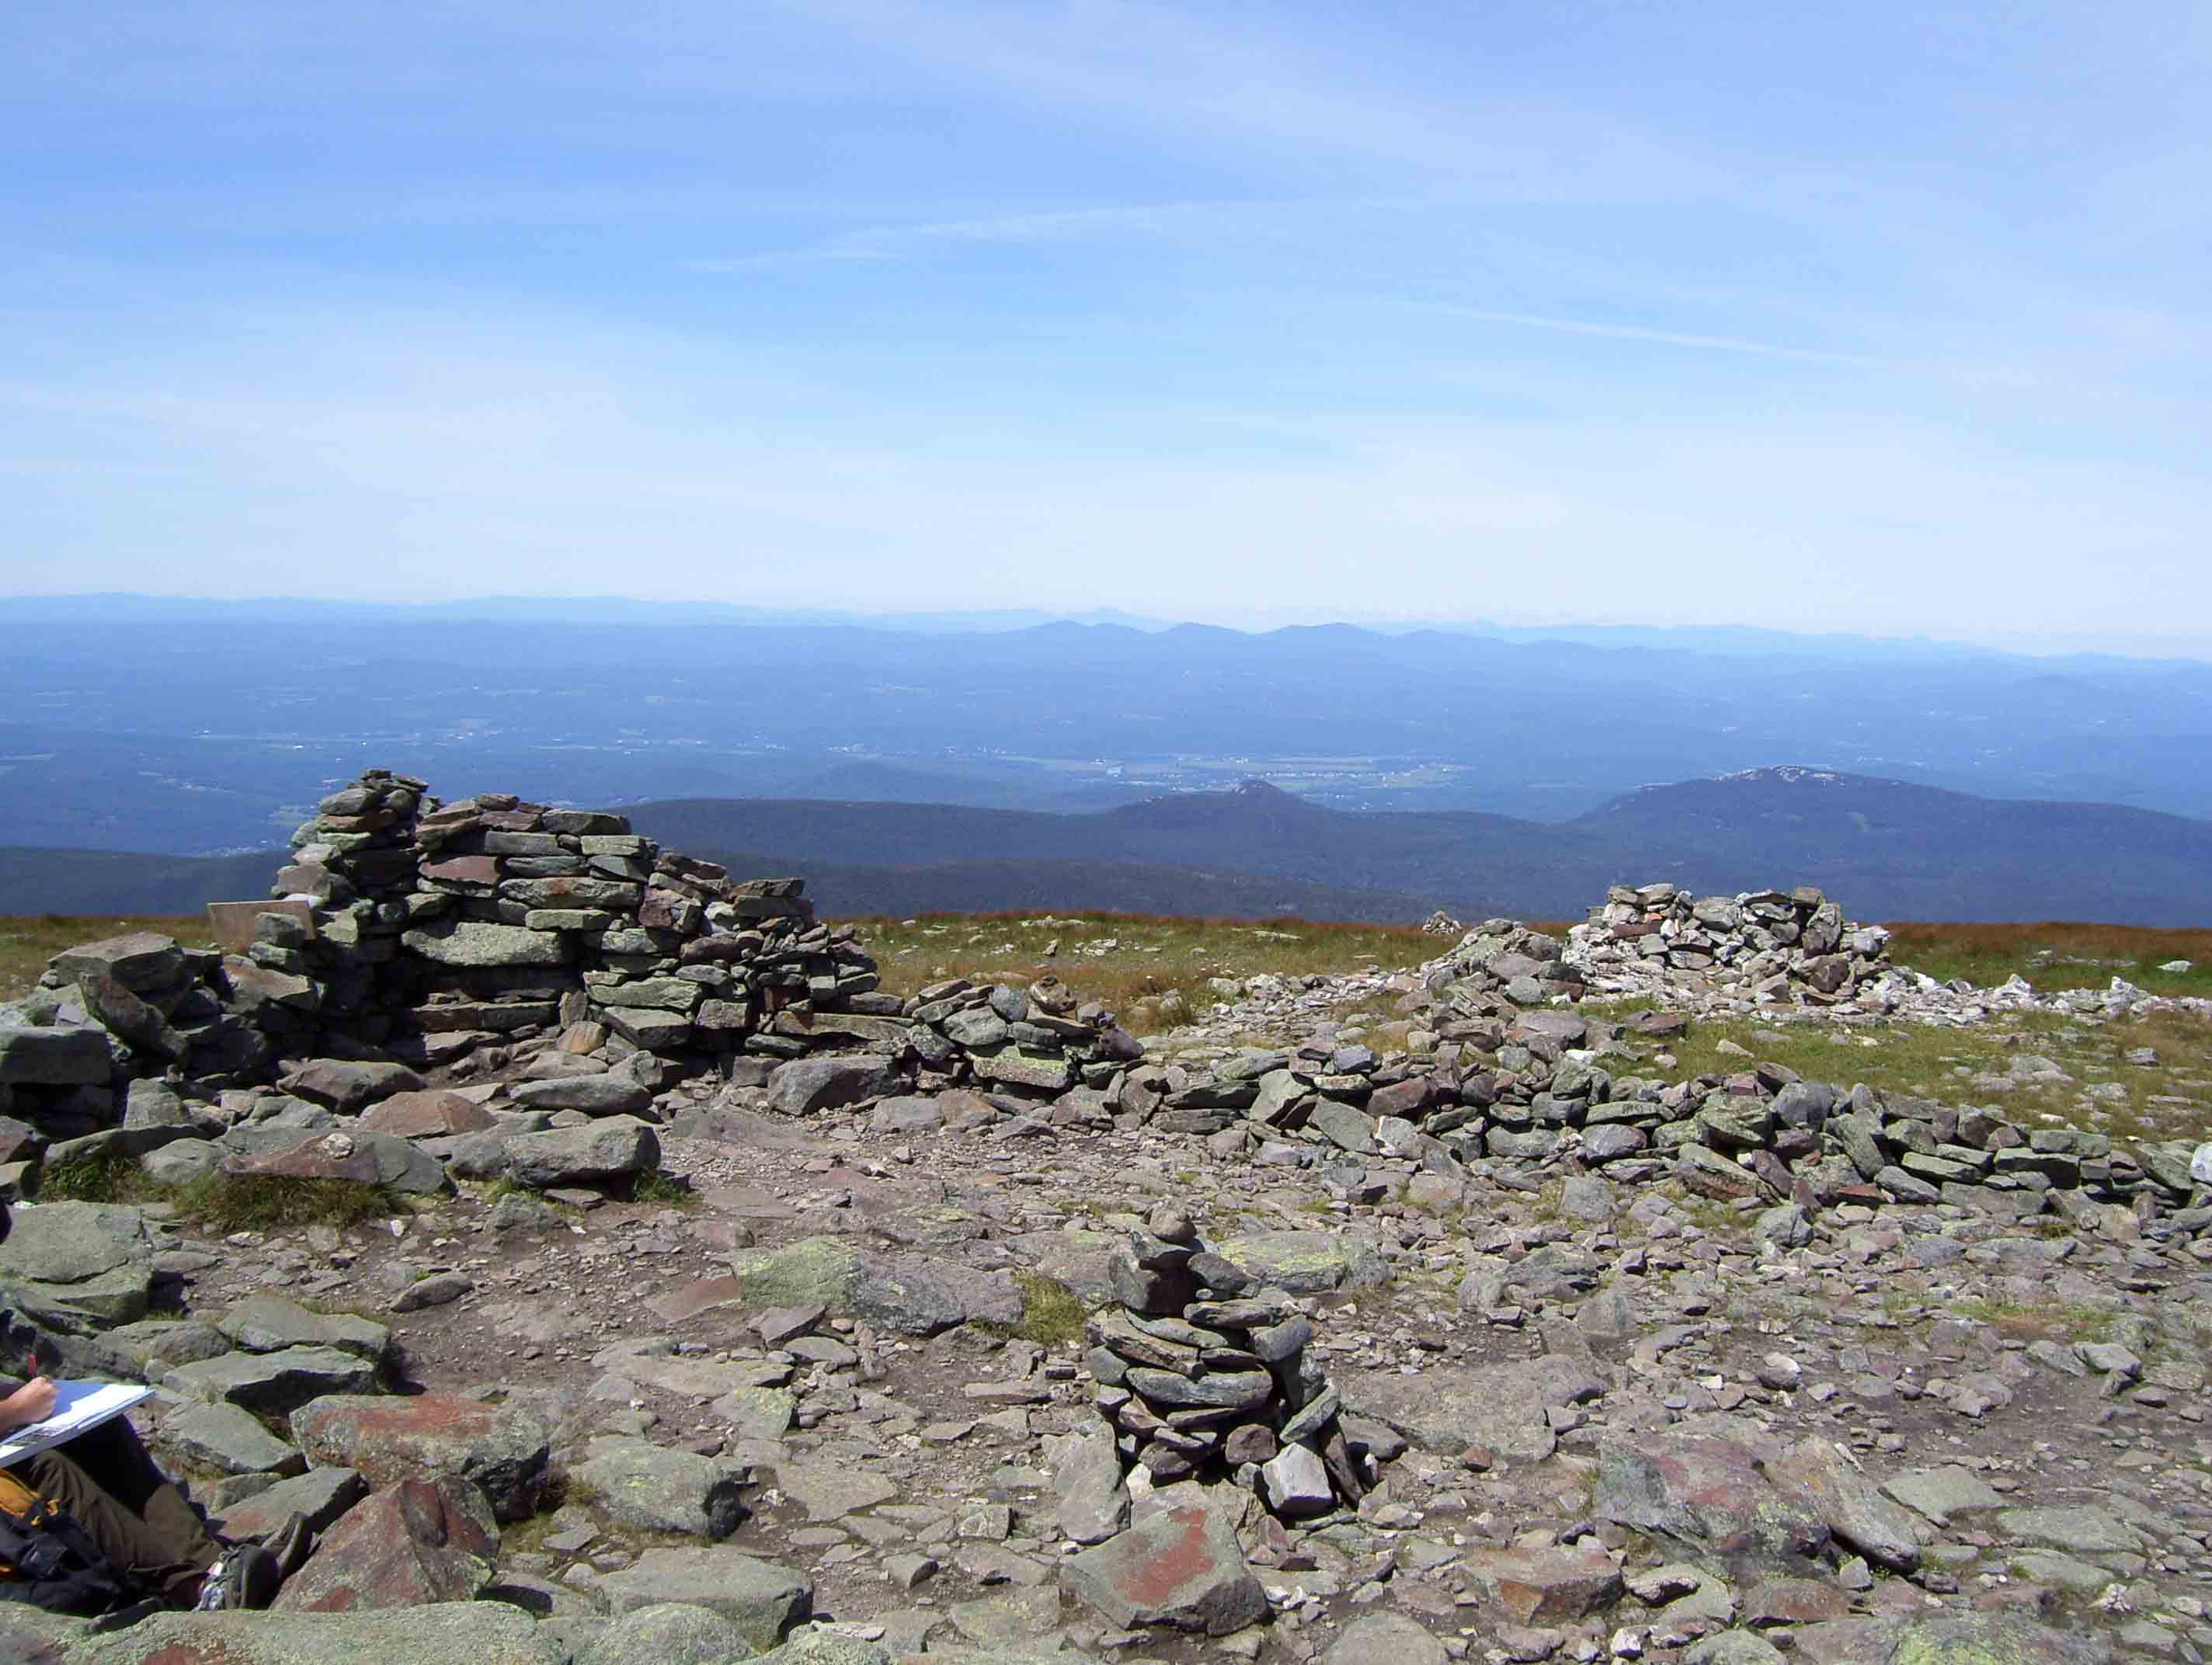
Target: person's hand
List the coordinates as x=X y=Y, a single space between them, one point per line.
x=31 y=1402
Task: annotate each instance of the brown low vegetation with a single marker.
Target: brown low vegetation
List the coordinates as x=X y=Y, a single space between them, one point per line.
x=2057 y=954
x=1151 y=969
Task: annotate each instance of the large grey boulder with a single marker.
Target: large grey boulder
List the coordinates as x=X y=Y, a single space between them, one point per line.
x=78 y=1266
x=473 y=944
x=634 y=1484
x=1093 y=1505
x=807 y=1084
x=44 y=1057
x=144 y=961
x=1306 y=1262
x=612 y=1148
x=349 y=1085
x=140 y=1026
x=321 y=1494
x=276 y=1383
x=501 y=1449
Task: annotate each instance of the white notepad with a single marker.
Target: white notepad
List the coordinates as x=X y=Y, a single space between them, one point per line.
x=79 y=1407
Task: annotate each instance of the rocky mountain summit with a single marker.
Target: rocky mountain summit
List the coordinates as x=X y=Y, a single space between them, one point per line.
x=1421 y=1314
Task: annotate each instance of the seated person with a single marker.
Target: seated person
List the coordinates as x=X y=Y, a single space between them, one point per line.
x=105 y=1482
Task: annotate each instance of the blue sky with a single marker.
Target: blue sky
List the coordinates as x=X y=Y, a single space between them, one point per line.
x=1867 y=317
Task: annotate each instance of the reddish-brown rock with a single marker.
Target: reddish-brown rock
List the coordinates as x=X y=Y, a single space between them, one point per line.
x=428 y=1115
x=420 y=1541
x=1548 y=1586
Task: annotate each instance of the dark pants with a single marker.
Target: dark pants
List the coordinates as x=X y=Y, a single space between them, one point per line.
x=105 y=1480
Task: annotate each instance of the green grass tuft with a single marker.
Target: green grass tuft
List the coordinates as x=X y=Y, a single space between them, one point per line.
x=1051 y=1313
x=110 y=1176
x=666 y=1189
x=261 y=1202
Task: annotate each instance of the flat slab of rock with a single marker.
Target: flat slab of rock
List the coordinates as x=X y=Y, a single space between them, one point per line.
x=352 y=1154
x=1180 y=1568
x=349 y=1085
x=1857 y=1515
x=615 y=1147
x=807 y=1084
x=911 y=1294
x=1979 y=1638
x=1306 y=1262
x=2077 y=1530
x=277 y=1383
x=481 y=1632
x=1385 y=1638
x=1705 y=1493
x=472 y=944
x=1940 y=1493
x=72 y=1265
x=501 y=1451
x=226 y=1440
x=762 y=1600
x=419 y=1542
x=434 y=1113
x=673 y=1633
x=828 y=1490
x=1446 y=1410
x=270 y=1323
x=610 y=1094
x=321 y=1494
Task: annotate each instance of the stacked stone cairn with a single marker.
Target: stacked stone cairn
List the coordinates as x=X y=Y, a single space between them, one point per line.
x=1202 y=1375
x=410 y=938
x=1791 y=947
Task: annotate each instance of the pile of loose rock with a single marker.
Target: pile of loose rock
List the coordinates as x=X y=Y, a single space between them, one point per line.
x=1201 y=1371
x=1782 y=947
x=1528 y=1090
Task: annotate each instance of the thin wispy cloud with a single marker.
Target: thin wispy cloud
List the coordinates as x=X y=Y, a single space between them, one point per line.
x=1706 y=343
x=1858 y=318
x=900 y=242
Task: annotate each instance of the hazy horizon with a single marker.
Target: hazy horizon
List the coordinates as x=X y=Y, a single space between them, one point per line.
x=1693 y=635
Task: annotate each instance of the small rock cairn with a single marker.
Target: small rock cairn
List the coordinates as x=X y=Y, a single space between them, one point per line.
x=1789 y=945
x=1201 y=1376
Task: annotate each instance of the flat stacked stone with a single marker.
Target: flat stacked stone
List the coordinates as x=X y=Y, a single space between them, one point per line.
x=1782 y=947
x=1200 y=1374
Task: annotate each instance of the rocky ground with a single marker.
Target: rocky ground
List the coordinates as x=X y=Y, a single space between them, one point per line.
x=1598 y=1417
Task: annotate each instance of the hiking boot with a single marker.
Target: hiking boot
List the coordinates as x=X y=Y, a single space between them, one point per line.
x=290 y=1544
x=246 y=1576
x=122 y=1618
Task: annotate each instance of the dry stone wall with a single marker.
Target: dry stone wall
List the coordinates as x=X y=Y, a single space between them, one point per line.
x=445 y=939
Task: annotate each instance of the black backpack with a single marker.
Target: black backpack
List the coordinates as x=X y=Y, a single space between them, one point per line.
x=50 y=1561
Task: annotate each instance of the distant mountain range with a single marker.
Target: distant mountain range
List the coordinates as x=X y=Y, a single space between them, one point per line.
x=1887 y=850
x=205 y=728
